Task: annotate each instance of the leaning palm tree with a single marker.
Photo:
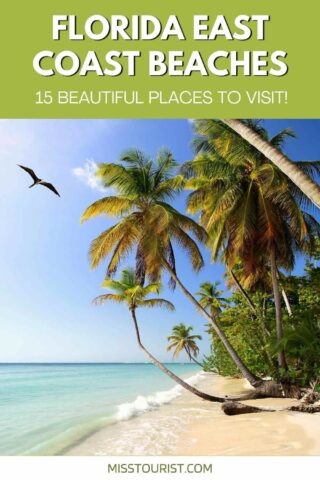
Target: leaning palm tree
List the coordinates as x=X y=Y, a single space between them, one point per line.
x=129 y=291
x=248 y=207
x=211 y=298
x=294 y=170
x=149 y=226
x=181 y=339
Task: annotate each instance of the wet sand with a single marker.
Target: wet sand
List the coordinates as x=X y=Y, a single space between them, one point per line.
x=190 y=426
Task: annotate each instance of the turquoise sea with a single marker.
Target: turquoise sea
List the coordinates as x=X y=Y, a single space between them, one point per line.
x=47 y=408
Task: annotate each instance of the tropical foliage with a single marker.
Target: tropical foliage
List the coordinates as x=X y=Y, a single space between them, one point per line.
x=302 y=179
x=247 y=205
x=254 y=215
x=148 y=224
x=211 y=298
x=128 y=291
x=182 y=339
x=254 y=337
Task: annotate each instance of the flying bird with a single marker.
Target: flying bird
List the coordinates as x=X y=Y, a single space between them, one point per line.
x=38 y=181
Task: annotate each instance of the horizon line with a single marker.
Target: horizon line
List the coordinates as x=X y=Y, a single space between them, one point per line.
x=92 y=363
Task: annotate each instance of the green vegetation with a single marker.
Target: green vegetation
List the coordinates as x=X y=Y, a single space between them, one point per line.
x=254 y=336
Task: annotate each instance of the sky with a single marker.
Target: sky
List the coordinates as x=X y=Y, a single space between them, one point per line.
x=46 y=284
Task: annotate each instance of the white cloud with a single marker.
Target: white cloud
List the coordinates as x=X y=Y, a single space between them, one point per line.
x=87 y=175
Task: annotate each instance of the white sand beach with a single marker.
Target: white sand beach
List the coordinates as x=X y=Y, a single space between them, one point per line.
x=190 y=426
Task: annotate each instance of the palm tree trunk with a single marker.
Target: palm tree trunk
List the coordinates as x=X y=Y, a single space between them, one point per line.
x=277 y=303
x=285 y=297
x=264 y=308
x=297 y=176
x=252 y=379
x=242 y=291
x=195 y=391
x=286 y=301
x=193 y=358
x=196 y=361
x=265 y=333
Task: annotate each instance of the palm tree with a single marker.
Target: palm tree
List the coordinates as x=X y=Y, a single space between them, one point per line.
x=211 y=298
x=181 y=339
x=149 y=225
x=128 y=291
x=292 y=169
x=248 y=207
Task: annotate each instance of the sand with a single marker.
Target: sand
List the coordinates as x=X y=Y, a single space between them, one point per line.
x=269 y=433
x=190 y=426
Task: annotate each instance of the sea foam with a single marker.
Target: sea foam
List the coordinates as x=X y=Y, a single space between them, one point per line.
x=143 y=404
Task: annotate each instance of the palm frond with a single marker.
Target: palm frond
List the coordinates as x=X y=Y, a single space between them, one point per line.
x=170 y=257
x=189 y=246
x=101 y=299
x=165 y=166
x=152 y=288
x=117 y=176
x=109 y=239
x=157 y=302
x=109 y=206
x=311 y=168
x=279 y=139
x=122 y=249
x=168 y=189
x=186 y=223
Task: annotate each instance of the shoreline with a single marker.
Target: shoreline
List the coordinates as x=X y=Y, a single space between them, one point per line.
x=190 y=426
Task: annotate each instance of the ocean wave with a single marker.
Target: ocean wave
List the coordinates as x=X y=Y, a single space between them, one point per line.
x=143 y=404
